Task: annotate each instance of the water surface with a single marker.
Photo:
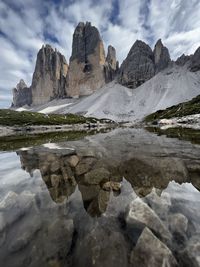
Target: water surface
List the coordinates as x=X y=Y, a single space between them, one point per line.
x=71 y=203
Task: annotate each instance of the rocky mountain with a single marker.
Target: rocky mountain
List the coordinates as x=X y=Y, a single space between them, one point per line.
x=151 y=74
x=138 y=67
x=89 y=69
x=161 y=56
x=22 y=95
x=50 y=76
x=111 y=65
x=141 y=63
x=86 y=67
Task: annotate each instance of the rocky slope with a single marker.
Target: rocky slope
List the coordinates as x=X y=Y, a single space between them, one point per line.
x=133 y=105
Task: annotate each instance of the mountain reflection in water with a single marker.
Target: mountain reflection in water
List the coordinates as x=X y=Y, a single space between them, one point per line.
x=85 y=202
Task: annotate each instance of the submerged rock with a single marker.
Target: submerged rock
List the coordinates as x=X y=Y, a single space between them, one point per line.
x=151 y=252
x=101 y=247
x=97 y=176
x=140 y=215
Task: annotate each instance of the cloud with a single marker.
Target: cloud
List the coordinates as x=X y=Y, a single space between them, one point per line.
x=26 y=25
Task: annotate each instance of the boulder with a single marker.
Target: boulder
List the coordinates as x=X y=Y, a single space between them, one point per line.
x=22 y=95
x=96 y=176
x=111 y=186
x=161 y=56
x=138 y=67
x=140 y=215
x=50 y=76
x=86 y=67
x=151 y=252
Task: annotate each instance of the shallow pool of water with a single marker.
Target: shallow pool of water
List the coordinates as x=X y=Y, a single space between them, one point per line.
x=127 y=197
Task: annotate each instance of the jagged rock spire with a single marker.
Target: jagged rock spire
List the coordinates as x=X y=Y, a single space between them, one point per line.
x=86 y=68
x=50 y=76
x=161 y=56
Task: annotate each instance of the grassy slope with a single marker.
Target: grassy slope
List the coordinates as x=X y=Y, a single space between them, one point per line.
x=183 y=109
x=10 y=118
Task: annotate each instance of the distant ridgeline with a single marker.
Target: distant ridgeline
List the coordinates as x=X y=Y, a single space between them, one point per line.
x=89 y=69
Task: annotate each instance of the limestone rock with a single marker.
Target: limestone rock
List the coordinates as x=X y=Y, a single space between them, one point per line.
x=195 y=61
x=150 y=251
x=21 y=95
x=181 y=61
x=97 y=176
x=111 y=64
x=138 y=67
x=101 y=247
x=86 y=67
x=49 y=78
x=161 y=56
x=178 y=223
x=140 y=215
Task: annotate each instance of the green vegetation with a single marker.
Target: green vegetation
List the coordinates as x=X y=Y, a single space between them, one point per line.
x=180 y=110
x=187 y=134
x=15 y=118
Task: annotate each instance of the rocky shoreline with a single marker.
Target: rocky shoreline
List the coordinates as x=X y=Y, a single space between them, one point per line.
x=38 y=129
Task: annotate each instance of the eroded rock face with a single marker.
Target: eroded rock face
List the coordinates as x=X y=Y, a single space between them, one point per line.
x=49 y=78
x=195 y=62
x=181 y=61
x=138 y=67
x=111 y=65
x=161 y=56
x=21 y=95
x=86 y=68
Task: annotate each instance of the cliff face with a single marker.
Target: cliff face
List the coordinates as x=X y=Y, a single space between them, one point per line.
x=195 y=61
x=111 y=65
x=50 y=76
x=86 y=67
x=21 y=95
x=142 y=63
x=138 y=66
x=161 y=56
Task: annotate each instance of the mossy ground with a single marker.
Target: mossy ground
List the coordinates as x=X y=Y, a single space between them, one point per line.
x=187 y=108
x=14 y=118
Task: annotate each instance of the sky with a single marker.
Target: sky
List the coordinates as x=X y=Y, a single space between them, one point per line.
x=25 y=25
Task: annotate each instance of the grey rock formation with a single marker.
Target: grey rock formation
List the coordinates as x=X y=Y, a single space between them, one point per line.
x=161 y=56
x=181 y=61
x=150 y=251
x=195 y=61
x=21 y=95
x=111 y=65
x=138 y=67
x=86 y=68
x=49 y=78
